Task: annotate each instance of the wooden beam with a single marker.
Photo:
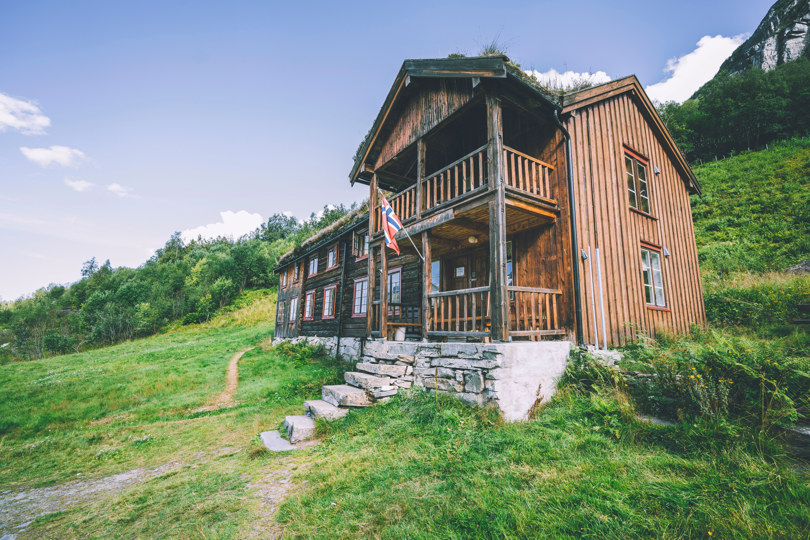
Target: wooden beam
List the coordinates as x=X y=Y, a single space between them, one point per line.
x=532 y=209
x=428 y=223
x=383 y=291
x=372 y=203
x=427 y=269
x=497 y=220
x=420 y=174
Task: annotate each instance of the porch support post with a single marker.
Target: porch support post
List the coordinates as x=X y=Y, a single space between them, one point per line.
x=420 y=174
x=497 y=220
x=427 y=268
x=383 y=291
x=372 y=227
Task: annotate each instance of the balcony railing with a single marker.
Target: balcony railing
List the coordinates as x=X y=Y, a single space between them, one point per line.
x=467 y=175
x=465 y=312
x=526 y=173
x=533 y=312
x=457 y=179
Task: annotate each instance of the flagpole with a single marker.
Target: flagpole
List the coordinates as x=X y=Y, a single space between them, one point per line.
x=404 y=229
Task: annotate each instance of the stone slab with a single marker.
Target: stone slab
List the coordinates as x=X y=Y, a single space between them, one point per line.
x=384 y=392
x=299 y=428
x=365 y=380
x=343 y=395
x=387 y=370
x=274 y=442
x=317 y=408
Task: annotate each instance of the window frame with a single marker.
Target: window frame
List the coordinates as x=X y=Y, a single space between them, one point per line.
x=397 y=309
x=284 y=278
x=355 y=313
x=364 y=246
x=293 y=313
x=309 y=306
x=310 y=262
x=648 y=277
x=332 y=288
x=637 y=163
x=297 y=272
x=332 y=249
x=282 y=306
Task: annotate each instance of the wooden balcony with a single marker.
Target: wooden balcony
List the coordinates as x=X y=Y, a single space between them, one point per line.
x=533 y=312
x=523 y=175
x=461 y=313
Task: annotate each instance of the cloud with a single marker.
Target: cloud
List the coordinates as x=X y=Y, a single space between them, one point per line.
x=60 y=155
x=569 y=79
x=120 y=190
x=24 y=116
x=78 y=185
x=691 y=71
x=233 y=225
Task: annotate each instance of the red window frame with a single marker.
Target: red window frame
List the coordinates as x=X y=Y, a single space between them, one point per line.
x=309 y=307
x=366 y=246
x=311 y=260
x=332 y=288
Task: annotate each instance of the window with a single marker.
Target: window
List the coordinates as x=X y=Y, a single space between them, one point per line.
x=309 y=305
x=329 y=302
x=293 y=311
x=280 y=313
x=313 y=266
x=652 y=277
x=394 y=290
x=435 y=276
x=360 y=298
x=284 y=279
x=635 y=168
x=361 y=245
x=295 y=273
x=332 y=257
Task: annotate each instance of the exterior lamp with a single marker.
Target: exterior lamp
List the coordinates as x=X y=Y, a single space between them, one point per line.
x=472 y=239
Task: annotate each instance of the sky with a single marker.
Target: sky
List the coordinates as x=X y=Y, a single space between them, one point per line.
x=123 y=122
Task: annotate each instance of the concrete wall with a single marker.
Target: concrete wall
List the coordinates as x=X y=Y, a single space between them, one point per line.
x=512 y=376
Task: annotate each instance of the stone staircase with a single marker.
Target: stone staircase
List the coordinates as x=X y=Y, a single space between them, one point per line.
x=371 y=383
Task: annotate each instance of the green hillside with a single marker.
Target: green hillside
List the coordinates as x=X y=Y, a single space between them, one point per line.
x=754 y=215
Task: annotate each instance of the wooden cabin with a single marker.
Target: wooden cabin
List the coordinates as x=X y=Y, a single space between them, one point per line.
x=531 y=216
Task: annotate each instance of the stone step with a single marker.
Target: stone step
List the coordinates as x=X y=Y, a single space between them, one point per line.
x=387 y=370
x=317 y=408
x=343 y=395
x=299 y=428
x=366 y=381
x=388 y=391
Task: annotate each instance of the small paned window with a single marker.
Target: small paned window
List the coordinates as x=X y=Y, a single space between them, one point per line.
x=360 y=298
x=309 y=306
x=295 y=273
x=329 y=302
x=313 y=266
x=435 y=276
x=280 y=312
x=652 y=277
x=293 y=311
x=284 y=279
x=332 y=257
x=635 y=170
x=394 y=291
x=361 y=245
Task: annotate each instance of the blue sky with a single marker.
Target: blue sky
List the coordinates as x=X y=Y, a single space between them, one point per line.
x=121 y=123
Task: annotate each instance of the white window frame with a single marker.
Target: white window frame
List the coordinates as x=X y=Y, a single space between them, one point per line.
x=360 y=304
x=330 y=291
x=309 y=305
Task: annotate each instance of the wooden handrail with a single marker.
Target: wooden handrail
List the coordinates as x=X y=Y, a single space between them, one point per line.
x=527 y=156
x=456 y=162
x=514 y=288
x=458 y=292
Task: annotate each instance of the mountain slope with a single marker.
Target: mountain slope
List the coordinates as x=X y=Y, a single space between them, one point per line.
x=754 y=215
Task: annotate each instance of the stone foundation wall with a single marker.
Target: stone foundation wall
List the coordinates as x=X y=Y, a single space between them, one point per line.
x=512 y=376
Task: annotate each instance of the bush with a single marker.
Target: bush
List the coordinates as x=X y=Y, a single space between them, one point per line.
x=712 y=376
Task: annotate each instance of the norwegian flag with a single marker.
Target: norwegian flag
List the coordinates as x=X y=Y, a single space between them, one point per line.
x=390 y=224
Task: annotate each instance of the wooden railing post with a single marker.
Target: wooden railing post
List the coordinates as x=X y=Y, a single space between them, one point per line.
x=497 y=221
x=427 y=272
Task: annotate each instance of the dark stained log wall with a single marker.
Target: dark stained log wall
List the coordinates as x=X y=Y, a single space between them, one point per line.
x=599 y=133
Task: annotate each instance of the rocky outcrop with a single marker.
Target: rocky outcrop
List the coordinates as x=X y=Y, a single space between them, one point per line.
x=781 y=37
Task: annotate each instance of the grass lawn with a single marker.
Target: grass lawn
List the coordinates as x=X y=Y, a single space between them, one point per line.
x=72 y=422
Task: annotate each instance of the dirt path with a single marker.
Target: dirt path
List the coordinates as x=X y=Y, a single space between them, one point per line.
x=225 y=399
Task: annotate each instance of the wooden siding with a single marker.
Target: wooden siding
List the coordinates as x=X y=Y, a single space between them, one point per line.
x=599 y=134
x=433 y=101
